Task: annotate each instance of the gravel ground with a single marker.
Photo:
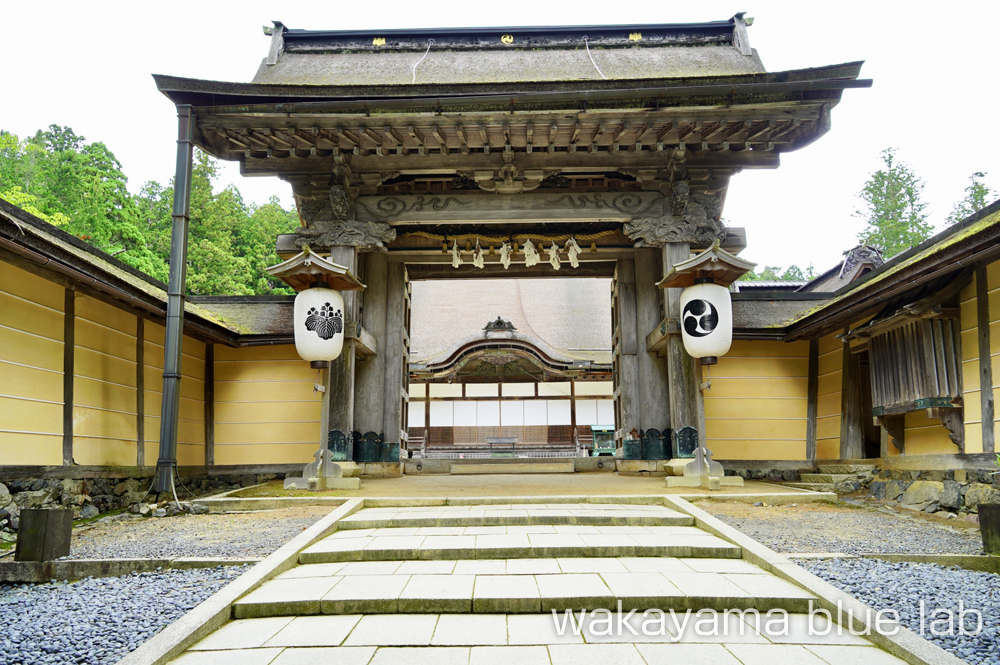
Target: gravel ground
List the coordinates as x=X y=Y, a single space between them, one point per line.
x=98 y=621
x=227 y=536
x=822 y=527
x=902 y=586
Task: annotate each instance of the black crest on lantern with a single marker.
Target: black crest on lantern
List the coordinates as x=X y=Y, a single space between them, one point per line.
x=700 y=318
x=325 y=322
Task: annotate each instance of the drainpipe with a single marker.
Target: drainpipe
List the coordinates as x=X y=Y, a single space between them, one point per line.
x=167 y=462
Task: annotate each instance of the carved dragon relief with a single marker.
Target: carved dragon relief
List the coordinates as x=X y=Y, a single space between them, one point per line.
x=628 y=204
x=337 y=206
x=692 y=218
x=366 y=236
x=388 y=207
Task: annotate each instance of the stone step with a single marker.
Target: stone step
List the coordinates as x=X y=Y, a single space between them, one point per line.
x=815 y=487
x=826 y=478
x=850 y=469
x=525 y=586
x=513 y=468
x=393 y=544
x=530 y=639
x=546 y=514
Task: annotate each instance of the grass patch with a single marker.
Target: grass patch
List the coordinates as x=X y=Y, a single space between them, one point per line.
x=276 y=488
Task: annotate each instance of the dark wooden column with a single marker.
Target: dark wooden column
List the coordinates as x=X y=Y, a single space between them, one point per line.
x=140 y=391
x=396 y=354
x=812 y=404
x=209 y=404
x=851 y=427
x=985 y=361
x=340 y=386
x=654 y=381
x=684 y=395
x=627 y=340
x=369 y=396
x=69 y=371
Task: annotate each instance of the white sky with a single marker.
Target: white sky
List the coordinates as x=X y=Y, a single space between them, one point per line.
x=88 y=65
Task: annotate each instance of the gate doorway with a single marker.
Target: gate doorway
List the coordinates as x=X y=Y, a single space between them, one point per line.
x=510 y=367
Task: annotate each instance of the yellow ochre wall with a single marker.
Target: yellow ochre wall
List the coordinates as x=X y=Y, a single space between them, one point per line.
x=266 y=411
x=828 y=397
x=756 y=407
x=31 y=368
x=104 y=384
x=970 y=354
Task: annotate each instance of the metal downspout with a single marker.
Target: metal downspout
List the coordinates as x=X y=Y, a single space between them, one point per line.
x=170 y=410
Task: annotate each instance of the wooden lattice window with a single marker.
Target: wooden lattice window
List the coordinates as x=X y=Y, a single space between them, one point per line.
x=916 y=363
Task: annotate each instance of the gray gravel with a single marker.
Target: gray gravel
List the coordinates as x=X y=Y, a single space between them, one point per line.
x=233 y=536
x=828 y=528
x=901 y=587
x=98 y=621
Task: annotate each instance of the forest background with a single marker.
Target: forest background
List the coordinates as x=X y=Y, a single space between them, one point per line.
x=81 y=188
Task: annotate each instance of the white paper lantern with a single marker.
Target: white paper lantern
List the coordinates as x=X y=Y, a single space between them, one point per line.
x=706 y=321
x=319 y=324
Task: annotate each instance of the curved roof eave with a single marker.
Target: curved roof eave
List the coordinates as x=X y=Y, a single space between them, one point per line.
x=207 y=93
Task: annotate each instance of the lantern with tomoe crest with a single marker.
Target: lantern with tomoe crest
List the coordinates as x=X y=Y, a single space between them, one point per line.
x=706 y=310
x=706 y=321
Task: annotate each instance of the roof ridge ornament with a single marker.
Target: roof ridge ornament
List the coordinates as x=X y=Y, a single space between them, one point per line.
x=500 y=325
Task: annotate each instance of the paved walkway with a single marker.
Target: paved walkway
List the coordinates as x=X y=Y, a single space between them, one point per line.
x=554 y=484
x=477 y=584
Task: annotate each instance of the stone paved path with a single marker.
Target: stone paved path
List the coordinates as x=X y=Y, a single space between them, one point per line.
x=477 y=584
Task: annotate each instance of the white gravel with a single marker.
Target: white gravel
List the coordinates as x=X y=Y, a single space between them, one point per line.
x=902 y=587
x=98 y=621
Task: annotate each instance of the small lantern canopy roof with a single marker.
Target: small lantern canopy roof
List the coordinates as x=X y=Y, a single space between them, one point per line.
x=716 y=263
x=305 y=268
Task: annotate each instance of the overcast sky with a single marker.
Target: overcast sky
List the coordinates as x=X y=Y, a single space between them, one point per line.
x=88 y=65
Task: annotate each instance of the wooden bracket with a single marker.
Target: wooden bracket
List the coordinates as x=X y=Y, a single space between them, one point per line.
x=656 y=341
x=953 y=420
x=895 y=426
x=365 y=344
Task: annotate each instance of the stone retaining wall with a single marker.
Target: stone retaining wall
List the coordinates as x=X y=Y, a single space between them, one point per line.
x=89 y=497
x=958 y=492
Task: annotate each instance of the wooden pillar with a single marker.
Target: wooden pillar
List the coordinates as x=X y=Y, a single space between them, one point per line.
x=140 y=391
x=396 y=354
x=684 y=395
x=628 y=346
x=341 y=374
x=985 y=361
x=69 y=371
x=654 y=381
x=209 y=404
x=812 y=404
x=851 y=427
x=369 y=394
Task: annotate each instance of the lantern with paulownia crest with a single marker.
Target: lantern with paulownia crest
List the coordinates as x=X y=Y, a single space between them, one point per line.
x=320 y=317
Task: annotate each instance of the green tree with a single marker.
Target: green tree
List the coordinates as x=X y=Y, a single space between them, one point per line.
x=81 y=187
x=792 y=273
x=893 y=208
x=977 y=196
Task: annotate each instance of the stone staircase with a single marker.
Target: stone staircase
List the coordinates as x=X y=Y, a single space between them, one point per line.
x=839 y=478
x=492 y=583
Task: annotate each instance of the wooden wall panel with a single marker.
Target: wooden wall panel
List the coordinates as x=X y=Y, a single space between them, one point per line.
x=970 y=371
x=104 y=384
x=31 y=368
x=828 y=401
x=266 y=411
x=993 y=286
x=756 y=407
